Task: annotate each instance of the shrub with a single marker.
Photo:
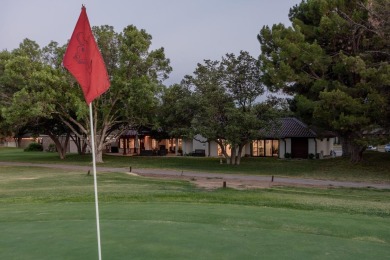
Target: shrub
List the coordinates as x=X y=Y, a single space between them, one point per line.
x=311 y=156
x=287 y=155
x=51 y=148
x=33 y=147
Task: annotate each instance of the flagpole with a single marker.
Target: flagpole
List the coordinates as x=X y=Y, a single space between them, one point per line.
x=95 y=179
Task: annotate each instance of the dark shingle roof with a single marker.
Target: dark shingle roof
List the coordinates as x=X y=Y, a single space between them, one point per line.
x=292 y=127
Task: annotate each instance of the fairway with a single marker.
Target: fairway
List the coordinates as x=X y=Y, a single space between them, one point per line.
x=49 y=214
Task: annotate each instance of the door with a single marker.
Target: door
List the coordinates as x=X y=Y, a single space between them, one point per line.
x=299 y=148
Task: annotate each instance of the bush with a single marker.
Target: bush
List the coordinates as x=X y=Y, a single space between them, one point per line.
x=311 y=156
x=34 y=147
x=51 y=148
x=287 y=155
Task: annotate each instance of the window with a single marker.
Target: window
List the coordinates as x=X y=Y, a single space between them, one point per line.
x=258 y=148
x=265 y=148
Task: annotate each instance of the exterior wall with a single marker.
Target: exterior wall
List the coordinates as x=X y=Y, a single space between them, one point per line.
x=213 y=149
x=72 y=146
x=46 y=141
x=187 y=146
x=243 y=151
x=247 y=149
x=26 y=141
x=312 y=146
x=163 y=143
x=200 y=143
x=8 y=142
x=282 y=148
x=148 y=143
x=23 y=144
x=286 y=147
x=325 y=145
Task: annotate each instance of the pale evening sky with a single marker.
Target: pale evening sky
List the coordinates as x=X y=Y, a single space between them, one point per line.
x=189 y=30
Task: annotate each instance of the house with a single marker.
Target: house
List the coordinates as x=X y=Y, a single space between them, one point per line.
x=21 y=140
x=289 y=137
x=144 y=141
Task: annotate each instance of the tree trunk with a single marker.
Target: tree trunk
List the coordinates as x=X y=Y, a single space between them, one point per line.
x=60 y=147
x=84 y=148
x=221 y=145
x=19 y=142
x=356 y=153
x=233 y=156
x=81 y=144
x=345 y=144
x=351 y=149
x=99 y=148
x=238 y=158
x=99 y=156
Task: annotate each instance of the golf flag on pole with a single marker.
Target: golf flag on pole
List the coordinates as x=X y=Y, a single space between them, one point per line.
x=84 y=61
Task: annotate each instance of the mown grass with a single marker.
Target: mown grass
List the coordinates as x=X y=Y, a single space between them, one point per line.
x=49 y=214
x=374 y=168
x=40 y=185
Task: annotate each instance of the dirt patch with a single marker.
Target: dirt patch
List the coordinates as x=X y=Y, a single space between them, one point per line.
x=216 y=183
x=235 y=184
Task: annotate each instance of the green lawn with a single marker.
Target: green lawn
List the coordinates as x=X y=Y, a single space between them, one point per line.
x=374 y=168
x=49 y=214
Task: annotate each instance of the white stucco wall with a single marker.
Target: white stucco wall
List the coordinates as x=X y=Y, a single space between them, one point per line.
x=199 y=142
x=187 y=146
x=325 y=146
x=213 y=149
x=312 y=146
x=247 y=149
x=284 y=147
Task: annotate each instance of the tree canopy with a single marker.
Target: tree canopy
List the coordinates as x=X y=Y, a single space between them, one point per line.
x=35 y=85
x=224 y=106
x=334 y=59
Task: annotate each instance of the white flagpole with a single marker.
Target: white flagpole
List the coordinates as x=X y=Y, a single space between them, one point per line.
x=95 y=179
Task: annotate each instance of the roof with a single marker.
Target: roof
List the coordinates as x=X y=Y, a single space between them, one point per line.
x=292 y=127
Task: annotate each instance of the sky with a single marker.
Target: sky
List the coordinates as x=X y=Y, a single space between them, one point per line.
x=189 y=30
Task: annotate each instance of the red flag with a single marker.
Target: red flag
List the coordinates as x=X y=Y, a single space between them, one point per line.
x=84 y=61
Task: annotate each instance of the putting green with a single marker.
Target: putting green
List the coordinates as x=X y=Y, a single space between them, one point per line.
x=187 y=231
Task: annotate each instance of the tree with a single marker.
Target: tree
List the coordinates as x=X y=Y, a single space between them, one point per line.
x=177 y=110
x=5 y=95
x=226 y=93
x=335 y=64
x=48 y=91
x=136 y=81
x=30 y=83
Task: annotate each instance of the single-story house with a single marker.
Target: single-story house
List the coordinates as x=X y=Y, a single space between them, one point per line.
x=291 y=137
x=21 y=141
x=288 y=138
x=144 y=142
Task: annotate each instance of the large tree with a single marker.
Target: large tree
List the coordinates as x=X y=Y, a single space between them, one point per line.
x=335 y=61
x=226 y=92
x=30 y=84
x=136 y=75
